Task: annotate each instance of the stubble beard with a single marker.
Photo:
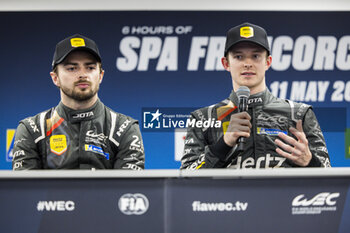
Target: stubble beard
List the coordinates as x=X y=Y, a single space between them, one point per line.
x=80 y=95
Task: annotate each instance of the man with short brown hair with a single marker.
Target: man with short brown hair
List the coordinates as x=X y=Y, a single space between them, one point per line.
x=81 y=132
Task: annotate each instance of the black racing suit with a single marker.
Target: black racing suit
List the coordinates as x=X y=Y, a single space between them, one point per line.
x=205 y=147
x=62 y=138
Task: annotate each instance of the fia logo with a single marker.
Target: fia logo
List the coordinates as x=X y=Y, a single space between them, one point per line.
x=133 y=204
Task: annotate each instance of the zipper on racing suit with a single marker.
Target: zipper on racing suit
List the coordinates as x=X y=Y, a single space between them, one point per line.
x=253 y=132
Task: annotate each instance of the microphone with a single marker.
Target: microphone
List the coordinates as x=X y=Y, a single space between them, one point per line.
x=243 y=94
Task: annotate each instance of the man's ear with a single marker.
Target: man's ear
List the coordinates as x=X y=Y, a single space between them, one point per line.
x=102 y=73
x=54 y=78
x=225 y=63
x=268 y=62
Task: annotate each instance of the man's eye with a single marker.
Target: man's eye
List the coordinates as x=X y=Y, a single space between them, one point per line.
x=91 y=68
x=70 y=68
x=239 y=57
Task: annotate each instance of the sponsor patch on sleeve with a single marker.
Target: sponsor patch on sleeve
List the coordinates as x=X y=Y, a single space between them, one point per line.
x=271 y=132
x=97 y=150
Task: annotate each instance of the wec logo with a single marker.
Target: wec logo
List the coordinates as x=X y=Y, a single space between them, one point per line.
x=133 y=204
x=320 y=199
x=55 y=206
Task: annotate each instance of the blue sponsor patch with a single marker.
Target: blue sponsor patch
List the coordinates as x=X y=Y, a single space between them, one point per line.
x=271 y=132
x=97 y=150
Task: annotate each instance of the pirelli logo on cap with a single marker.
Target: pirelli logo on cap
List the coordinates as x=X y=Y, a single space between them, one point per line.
x=77 y=42
x=246 y=32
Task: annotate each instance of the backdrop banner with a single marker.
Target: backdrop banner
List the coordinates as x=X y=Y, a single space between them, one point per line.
x=166 y=60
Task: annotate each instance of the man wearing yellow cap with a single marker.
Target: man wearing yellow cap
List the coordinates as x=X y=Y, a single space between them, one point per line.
x=80 y=132
x=258 y=130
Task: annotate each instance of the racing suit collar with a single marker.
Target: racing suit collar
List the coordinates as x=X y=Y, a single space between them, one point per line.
x=75 y=116
x=260 y=98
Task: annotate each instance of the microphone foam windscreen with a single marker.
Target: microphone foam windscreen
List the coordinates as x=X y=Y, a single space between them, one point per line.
x=243 y=92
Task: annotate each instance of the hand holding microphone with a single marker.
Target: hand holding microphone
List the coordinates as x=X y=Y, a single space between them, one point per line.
x=239 y=127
